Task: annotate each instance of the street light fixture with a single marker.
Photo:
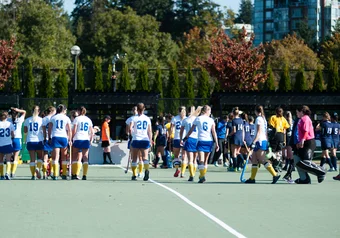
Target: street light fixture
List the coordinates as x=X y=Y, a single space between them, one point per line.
x=75 y=50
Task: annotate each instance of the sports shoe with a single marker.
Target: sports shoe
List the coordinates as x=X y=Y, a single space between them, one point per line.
x=225 y=164
x=276 y=178
x=321 y=178
x=140 y=175
x=287 y=177
x=177 y=173
x=201 y=180
x=12 y=175
x=331 y=170
x=216 y=164
x=134 y=178
x=7 y=177
x=231 y=169
x=337 y=177
x=146 y=175
x=84 y=177
x=63 y=177
x=38 y=173
x=250 y=181
x=299 y=181
x=191 y=179
x=75 y=177
x=182 y=176
x=54 y=177
x=44 y=177
x=33 y=178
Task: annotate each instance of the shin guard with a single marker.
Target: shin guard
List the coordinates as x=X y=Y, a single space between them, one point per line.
x=310 y=167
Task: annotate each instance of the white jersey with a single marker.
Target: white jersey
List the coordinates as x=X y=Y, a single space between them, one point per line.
x=187 y=124
x=203 y=125
x=177 y=123
x=140 y=127
x=46 y=121
x=129 y=120
x=17 y=126
x=59 y=122
x=263 y=125
x=6 y=128
x=83 y=128
x=34 y=129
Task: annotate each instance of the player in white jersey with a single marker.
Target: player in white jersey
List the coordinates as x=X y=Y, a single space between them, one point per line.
x=176 y=124
x=17 y=122
x=190 y=145
x=260 y=146
x=50 y=111
x=142 y=138
x=6 y=148
x=59 y=131
x=205 y=126
x=34 y=139
x=82 y=137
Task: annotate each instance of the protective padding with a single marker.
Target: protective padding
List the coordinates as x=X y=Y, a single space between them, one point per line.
x=310 y=167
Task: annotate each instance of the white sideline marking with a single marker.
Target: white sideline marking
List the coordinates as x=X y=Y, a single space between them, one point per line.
x=204 y=212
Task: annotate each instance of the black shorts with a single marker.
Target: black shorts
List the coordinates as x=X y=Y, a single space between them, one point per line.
x=277 y=142
x=105 y=143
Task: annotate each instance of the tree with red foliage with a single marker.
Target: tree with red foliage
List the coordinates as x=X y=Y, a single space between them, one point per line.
x=8 y=57
x=235 y=62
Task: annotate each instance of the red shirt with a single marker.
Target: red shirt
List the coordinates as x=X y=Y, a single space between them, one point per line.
x=305 y=128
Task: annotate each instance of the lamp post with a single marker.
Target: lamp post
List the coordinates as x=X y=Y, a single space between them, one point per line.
x=115 y=59
x=75 y=50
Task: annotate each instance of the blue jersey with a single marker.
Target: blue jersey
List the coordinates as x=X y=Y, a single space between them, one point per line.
x=252 y=131
x=221 y=129
x=326 y=129
x=229 y=127
x=335 y=131
x=238 y=125
x=161 y=131
x=247 y=136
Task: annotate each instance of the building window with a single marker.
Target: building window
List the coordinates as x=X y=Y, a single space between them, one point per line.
x=295 y=24
x=269 y=3
x=296 y=12
x=268 y=37
x=281 y=26
x=269 y=26
x=268 y=15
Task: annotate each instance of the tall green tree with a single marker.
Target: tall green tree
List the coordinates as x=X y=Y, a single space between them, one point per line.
x=15 y=86
x=61 y=85
x=269 y=84
x=158 y=87
x=300 y=81
x=29 y=80
x=108 y=81
x=174 y=91
x=333 y=76
x=307 y=33
x=125 y=84
x=143 y=77
x=245 y=13
x=98 y=79
x=285 y=81
x=80 y=77
x=189 y=87
x=204 y=89
x=318 y=81
x=45 y=87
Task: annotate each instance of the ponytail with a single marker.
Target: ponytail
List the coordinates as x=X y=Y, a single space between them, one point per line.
x=60 y=108
x=35 y=113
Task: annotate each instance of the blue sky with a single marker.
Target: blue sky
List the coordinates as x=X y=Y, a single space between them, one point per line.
x=234 y=4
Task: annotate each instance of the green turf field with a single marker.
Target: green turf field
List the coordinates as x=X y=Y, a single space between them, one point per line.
x=108 y=204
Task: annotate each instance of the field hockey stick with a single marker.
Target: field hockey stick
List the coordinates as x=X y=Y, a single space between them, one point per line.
x=242 y=179
x=70 y=164
x=128 y=163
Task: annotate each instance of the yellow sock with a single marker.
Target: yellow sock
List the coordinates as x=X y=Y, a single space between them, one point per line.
x=134 y=169
x=195 y=169
x=146 y=165
x=253 y=173
x=183 y=168
x=74 y=167
x=201 y=169
x=85 y=168
x=51 y=167
x=14 y=167
x=32 y=168
x=79 y=165
x=140 y=167
x=8 y=167
x=270 y=169
x=1 y=169
x=44 y=168
x=39 y=164
x=56 y=169
x=191 y=169
x=205 y=170
x=64 y=167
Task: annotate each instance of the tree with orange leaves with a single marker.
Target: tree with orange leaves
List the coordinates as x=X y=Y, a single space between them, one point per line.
x=235 y=62
x=8 y=57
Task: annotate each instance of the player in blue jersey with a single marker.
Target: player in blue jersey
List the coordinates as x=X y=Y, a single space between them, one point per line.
x=237 y=138
x=221 y=137
x=335 y=140
x=326 y=128
x=160 y=137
